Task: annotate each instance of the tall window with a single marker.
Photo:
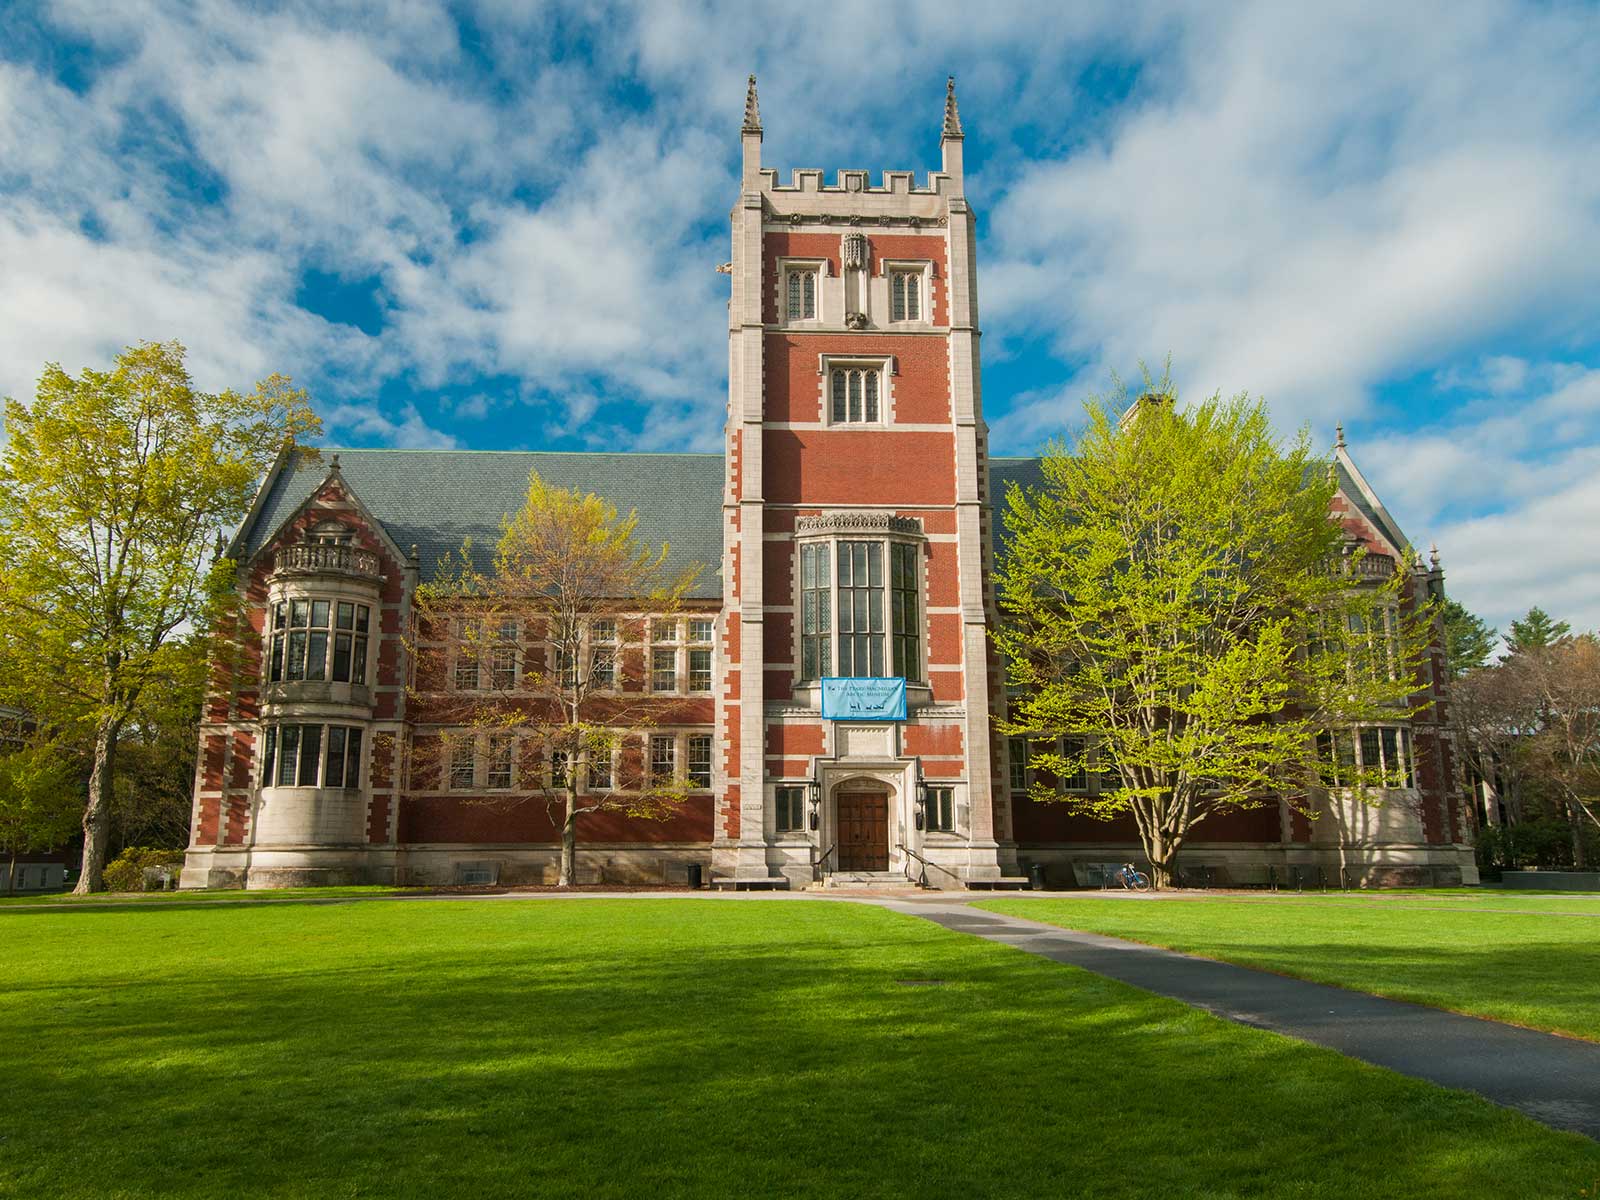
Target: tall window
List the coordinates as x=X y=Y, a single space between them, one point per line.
x=663 y=759
x=802 y=294
x=350 y=643
x=558 y=768
x=905 y=295
x=699 y=765
x=860 y=586
x=903 y=610
x=791 y=809
x=300 y=651
x=603 y=654
x=599 y=761
x=1075 y=781
x=463 y=764
x=502 y=754
x=853 y=620
x=816 y=645
x=503 y=657
x=941 y=809
x=1020 y=775
x=469 y=639
x=854 y=391
x=663 y=670
x=342 y=766
x=700 y=637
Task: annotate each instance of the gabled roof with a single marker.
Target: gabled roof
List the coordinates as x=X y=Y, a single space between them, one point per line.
x=1359 y=492
x=435 y=499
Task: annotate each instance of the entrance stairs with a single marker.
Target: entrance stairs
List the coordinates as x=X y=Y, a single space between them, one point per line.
x=888 y=881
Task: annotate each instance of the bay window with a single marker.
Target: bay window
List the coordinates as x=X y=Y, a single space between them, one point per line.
x=860 y=616
x=294 y=756
x=318 y=640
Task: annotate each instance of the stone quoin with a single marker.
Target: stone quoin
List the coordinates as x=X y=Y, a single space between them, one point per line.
x=846 y=530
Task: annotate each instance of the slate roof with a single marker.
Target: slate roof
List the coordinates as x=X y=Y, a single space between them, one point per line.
x=434 y=499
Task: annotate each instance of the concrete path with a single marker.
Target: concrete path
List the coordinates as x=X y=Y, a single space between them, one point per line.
x=1553 y=1079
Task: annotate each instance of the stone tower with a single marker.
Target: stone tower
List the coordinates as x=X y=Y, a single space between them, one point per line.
x=856 y=528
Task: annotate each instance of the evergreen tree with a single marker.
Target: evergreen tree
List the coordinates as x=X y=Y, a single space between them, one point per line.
x=1468 y=640
x=1536 y=631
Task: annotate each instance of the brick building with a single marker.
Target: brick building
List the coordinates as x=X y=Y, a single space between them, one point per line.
x=847 y=534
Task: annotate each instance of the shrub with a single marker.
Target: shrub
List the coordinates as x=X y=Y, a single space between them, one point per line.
x=125 y=873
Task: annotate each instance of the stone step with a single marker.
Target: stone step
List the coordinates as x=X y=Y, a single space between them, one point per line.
x=885 y=880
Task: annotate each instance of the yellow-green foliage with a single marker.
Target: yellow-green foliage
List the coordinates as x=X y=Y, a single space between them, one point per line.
x=1176 y=595
x=125 y=873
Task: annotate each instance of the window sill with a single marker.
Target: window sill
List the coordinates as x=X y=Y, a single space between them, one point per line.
x=291 y=693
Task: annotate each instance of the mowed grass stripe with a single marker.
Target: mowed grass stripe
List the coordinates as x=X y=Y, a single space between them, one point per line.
x=659 y=1047
x=1527 y=967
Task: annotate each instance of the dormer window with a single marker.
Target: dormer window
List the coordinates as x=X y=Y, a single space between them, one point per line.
x=332 y=533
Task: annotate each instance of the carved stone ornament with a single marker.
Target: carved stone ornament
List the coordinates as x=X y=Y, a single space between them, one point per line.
x=795 y=218
x=855 y=320
x=853 y=252
x=859 y=522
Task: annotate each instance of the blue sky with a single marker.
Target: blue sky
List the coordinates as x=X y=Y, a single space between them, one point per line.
x=496 y=225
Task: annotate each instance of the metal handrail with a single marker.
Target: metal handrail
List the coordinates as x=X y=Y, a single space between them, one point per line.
x=816 y=863
x=923 y=880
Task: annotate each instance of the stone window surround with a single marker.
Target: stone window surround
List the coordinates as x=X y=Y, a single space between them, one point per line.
x=334 y=590
x=887 y=368
x=1094 y=777
x=858 y=526
x=480 y=741
x=824 y=271
x=633 y=631
x=266 y=783
x=923 y=269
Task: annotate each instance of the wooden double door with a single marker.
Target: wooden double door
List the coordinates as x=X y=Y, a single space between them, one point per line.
x=863 y=831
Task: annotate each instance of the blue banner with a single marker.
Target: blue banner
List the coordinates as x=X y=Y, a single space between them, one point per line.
x=863 y=699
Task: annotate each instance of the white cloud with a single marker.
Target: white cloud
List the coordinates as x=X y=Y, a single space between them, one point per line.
x=1315 y=200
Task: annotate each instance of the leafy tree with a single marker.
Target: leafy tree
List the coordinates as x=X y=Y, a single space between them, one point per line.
x=1565 y=678
x=41 y=799
x=1531 y=724
x=1534 y=632
x=112 y=486
x=1468 y=640
x=1181 y=612
x=537 y=639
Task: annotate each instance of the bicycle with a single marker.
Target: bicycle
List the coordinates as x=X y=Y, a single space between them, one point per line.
x=1132 y=879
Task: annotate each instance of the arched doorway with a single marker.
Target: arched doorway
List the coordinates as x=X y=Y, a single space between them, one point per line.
x=862 y=810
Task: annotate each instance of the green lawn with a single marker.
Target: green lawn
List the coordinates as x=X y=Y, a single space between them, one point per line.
x=1532 y=960
x=701 y=1048
x=224 y=895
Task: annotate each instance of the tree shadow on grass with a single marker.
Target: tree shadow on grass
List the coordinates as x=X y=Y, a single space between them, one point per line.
x=609 y=1053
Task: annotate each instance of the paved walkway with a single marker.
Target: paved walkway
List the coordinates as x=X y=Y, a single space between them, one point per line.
x=1553 y=1079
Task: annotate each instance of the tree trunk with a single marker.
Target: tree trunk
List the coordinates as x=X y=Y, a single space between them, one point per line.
x=11 y=877
x=1163 y=854
x=97 y=817
x=1575 y=819
x=569 y=843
